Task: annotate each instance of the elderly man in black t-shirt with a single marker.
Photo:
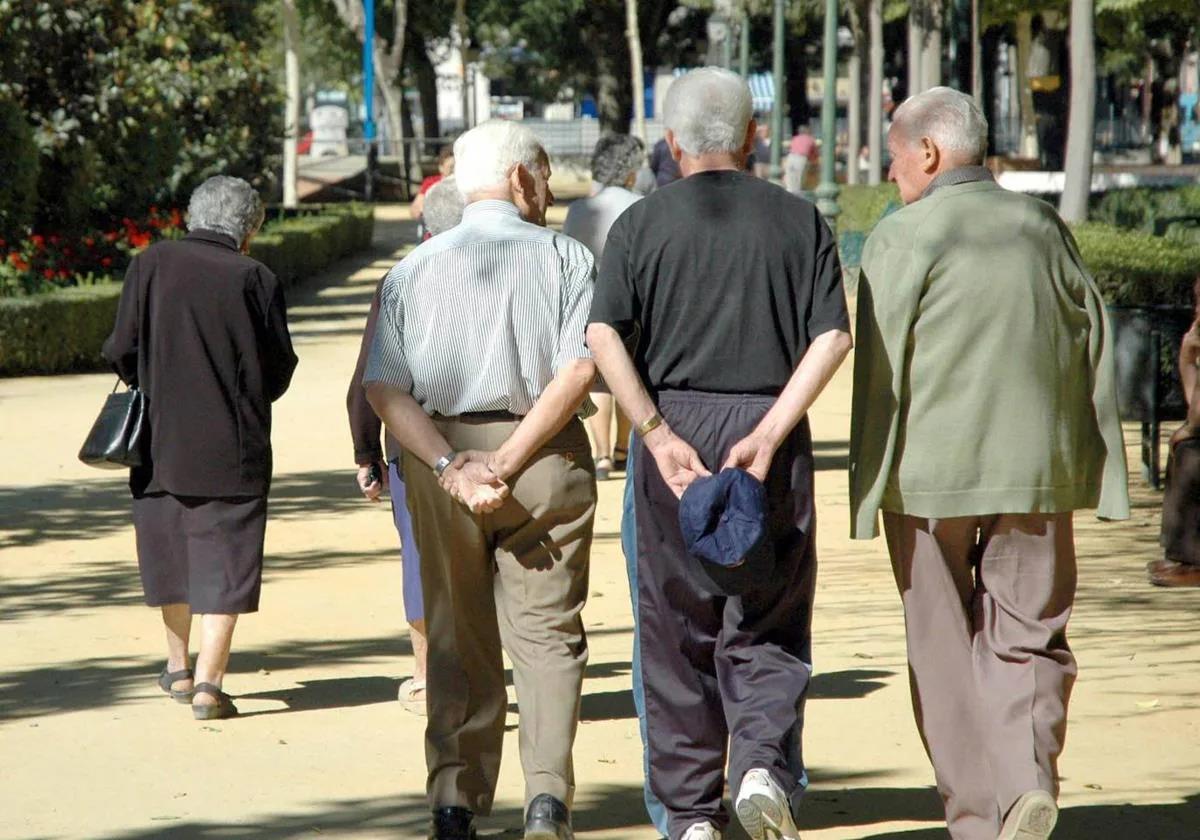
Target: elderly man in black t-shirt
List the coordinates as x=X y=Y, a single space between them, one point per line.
x=730 y=288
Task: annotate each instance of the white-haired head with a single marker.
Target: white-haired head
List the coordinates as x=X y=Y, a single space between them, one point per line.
x=443 y=207
x=950 y=118
x=708 y=110
x=226 y=205
x=485 y=156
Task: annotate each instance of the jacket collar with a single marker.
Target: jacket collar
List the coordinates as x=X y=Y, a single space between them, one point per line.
x=213 y=238
x=959 y=175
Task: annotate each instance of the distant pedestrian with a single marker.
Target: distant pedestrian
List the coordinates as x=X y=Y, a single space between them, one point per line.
x=615 y=163
x=984 y=414
x=664 y=167
x=202 y=330
x=380 y=469
x=479 y=370
x=1180 y=565
x=802 y=150
x=730 y=291
x=445 y=165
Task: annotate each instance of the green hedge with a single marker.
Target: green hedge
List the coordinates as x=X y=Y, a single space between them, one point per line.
x=1143 y=208
x=1136 y=269
x=863 y=206
x=62 y=331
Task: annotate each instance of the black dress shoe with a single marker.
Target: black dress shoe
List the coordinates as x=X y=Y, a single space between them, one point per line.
x=548 y=819
x=452 y=824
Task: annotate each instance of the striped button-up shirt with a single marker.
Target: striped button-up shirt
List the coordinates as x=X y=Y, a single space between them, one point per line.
x=481 y=317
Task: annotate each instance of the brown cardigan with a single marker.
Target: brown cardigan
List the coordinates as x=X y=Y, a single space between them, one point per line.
x=202 y=330
x=365 y=427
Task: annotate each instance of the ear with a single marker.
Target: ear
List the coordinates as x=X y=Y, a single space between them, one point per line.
x=518 y=178
x=931 y=155
x=751 y=136
x=676 y=151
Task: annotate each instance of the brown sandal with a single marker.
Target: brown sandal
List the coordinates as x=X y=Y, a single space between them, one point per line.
x=220 y=710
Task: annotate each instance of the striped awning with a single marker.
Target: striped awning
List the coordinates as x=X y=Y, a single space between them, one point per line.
x=762 y=88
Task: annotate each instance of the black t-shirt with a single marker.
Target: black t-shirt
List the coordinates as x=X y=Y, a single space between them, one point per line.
x=723 y=280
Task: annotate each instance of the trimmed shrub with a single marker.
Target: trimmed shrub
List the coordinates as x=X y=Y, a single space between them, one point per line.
x=58 y=331
x=863 y=206
x=18 y=172
x=1143 y=208
x=63 y=331
x=1137 y=269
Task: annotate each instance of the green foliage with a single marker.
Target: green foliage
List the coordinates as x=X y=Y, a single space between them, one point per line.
x=135 y=103
x=863 y=206
x=63 y=330
x=18 y=172
x=1137 y=269
x=56 y=332
x=1143 y=208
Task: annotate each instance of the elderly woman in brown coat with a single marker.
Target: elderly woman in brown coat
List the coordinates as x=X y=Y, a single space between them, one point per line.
x=202 y=330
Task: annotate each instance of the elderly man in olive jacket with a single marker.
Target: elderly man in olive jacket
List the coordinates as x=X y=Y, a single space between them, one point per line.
x=984 y=414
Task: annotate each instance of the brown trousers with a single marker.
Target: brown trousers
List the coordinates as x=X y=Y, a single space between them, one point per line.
x=986 y=604
x=517 y=576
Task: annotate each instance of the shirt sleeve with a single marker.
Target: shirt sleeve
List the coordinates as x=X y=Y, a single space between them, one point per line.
x=575 y=303
x=827 y=306
x=388 y=363
x=279 y=358
x=615 y=300
x=365 y=426
x=121 y=348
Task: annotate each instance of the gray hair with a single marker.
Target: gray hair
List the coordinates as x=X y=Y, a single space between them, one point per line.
x=487 y=154
x=615 y=158
x=708 y=110
x=227 y=205
x=443 y=208
x=950 y=118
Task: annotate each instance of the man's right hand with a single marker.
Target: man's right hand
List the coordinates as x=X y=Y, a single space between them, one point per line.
x=480 y=497
x=677 y=461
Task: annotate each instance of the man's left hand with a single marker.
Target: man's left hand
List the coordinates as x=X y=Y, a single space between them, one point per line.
x=753 y=454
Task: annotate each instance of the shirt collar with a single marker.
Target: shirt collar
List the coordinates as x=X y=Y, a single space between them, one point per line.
x=213 y=238
x=960 y=175
x=491 y=207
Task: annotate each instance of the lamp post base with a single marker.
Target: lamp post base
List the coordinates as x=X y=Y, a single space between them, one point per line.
x=827 y=205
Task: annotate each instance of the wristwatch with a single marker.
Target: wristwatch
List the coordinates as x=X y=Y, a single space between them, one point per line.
x=650 y=424
x=443 y=462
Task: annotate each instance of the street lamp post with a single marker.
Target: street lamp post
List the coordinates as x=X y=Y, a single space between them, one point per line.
x=776 y=171
x=368 y=61
x=827 y=192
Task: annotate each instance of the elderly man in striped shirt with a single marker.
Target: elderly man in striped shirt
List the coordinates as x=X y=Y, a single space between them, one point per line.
x=479 y=370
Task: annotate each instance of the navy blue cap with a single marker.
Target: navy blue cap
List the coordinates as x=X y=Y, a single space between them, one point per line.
x=723 y=518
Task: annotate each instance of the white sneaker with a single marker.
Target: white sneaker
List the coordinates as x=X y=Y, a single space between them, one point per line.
x=702 y=831
x=763 y=809
x=1031 y=818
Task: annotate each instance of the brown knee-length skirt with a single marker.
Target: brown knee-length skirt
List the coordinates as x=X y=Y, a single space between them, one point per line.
x=207 y=553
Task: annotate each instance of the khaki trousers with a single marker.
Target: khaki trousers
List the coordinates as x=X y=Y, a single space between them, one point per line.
x=986 y=604
x=517 y=576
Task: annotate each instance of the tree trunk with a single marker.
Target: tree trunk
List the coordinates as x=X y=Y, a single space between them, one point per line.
x=854 y=105
x=875 y=95
x=291 y=113
x=637 y=74
x=916 y=47
x=976 y=55
x=796 y=81
x=426 y=75
x=931 y=57
x=1029 y=141
x=1081 y=127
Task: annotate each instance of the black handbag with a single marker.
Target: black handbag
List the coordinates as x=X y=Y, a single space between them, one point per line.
x=121 y=434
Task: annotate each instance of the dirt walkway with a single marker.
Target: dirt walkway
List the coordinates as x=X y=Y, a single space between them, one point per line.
x=90 y=748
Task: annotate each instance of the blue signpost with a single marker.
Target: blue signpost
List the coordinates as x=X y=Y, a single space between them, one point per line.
x=368 y=59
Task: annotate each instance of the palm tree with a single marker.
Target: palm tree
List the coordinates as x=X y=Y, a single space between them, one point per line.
x=1082 y=116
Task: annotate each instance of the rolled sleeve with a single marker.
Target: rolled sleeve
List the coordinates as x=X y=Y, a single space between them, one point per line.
x=576 y=303
x=387 y=362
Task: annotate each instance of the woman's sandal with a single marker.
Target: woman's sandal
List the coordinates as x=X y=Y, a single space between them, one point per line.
x=604 y=466
x=168 y=678
x=412 y=695
x=220 y=710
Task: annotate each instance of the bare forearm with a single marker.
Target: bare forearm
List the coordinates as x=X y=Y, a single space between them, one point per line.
x=549 y=414
x=825 y=355
x=407 y=422
x=620 y=374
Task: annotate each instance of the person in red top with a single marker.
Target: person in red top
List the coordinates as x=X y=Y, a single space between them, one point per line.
x=445 y=170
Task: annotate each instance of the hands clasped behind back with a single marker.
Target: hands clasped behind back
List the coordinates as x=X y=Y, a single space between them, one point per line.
x=474 y=480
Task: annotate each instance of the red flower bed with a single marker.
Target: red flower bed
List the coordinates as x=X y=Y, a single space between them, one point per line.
x=46 y=261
